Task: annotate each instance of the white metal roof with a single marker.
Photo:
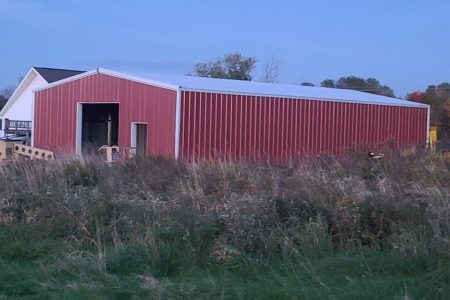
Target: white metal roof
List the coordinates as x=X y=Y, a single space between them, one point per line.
x=194 y=83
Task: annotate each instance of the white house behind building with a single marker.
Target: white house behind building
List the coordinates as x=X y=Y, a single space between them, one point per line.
x=17 y=114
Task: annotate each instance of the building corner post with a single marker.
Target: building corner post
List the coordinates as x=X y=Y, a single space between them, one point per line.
x=177 y=124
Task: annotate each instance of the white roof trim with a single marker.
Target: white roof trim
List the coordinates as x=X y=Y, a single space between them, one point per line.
x=415 y=104
x=139 y=79
x=234 y=87
x=113 y=74
x=66 y=80
x=18 y=91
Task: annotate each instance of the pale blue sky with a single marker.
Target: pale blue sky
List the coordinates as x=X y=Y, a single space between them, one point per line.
x=404 y=44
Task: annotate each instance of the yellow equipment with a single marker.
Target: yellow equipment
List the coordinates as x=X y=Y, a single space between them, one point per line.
x=11 y=151
x=442 y=153
x=433 y=138
x=111 y=153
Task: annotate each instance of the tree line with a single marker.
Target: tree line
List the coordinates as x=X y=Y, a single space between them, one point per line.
x=236 y=66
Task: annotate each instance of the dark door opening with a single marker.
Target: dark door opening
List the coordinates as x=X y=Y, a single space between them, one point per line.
x=100 y=126
x=141 y=139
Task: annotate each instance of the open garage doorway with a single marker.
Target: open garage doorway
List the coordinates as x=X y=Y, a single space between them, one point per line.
x=99 y=125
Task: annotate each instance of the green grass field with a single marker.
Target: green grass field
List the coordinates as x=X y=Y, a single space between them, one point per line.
x=155 y=229
x=47 y=269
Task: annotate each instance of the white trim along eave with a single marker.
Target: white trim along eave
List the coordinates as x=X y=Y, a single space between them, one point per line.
x=181 y=88
x=68 y=79
x=113 y=74
x=17 y=91
x=139 y=79
x=414 y=104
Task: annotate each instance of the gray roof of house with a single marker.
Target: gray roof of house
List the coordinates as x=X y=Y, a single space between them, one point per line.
x=51 y=75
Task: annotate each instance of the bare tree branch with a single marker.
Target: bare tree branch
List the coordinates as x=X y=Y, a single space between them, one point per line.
x=271 y=71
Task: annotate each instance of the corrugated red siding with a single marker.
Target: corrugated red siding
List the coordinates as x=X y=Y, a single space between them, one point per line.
x=56 y=108
x=226 y=125
x=256 y=127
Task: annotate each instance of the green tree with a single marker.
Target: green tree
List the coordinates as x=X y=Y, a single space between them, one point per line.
x=8 y=91
x=5 y=94
x=229 y=66
x=369 y=85
x=328 y=83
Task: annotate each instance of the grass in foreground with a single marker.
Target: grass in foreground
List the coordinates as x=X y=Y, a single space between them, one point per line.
x=48 y=269
x=153 y=228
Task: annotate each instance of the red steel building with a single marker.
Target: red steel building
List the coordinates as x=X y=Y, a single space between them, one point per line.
x=188 y=117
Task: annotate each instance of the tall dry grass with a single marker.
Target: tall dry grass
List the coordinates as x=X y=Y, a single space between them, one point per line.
x=175 y=215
